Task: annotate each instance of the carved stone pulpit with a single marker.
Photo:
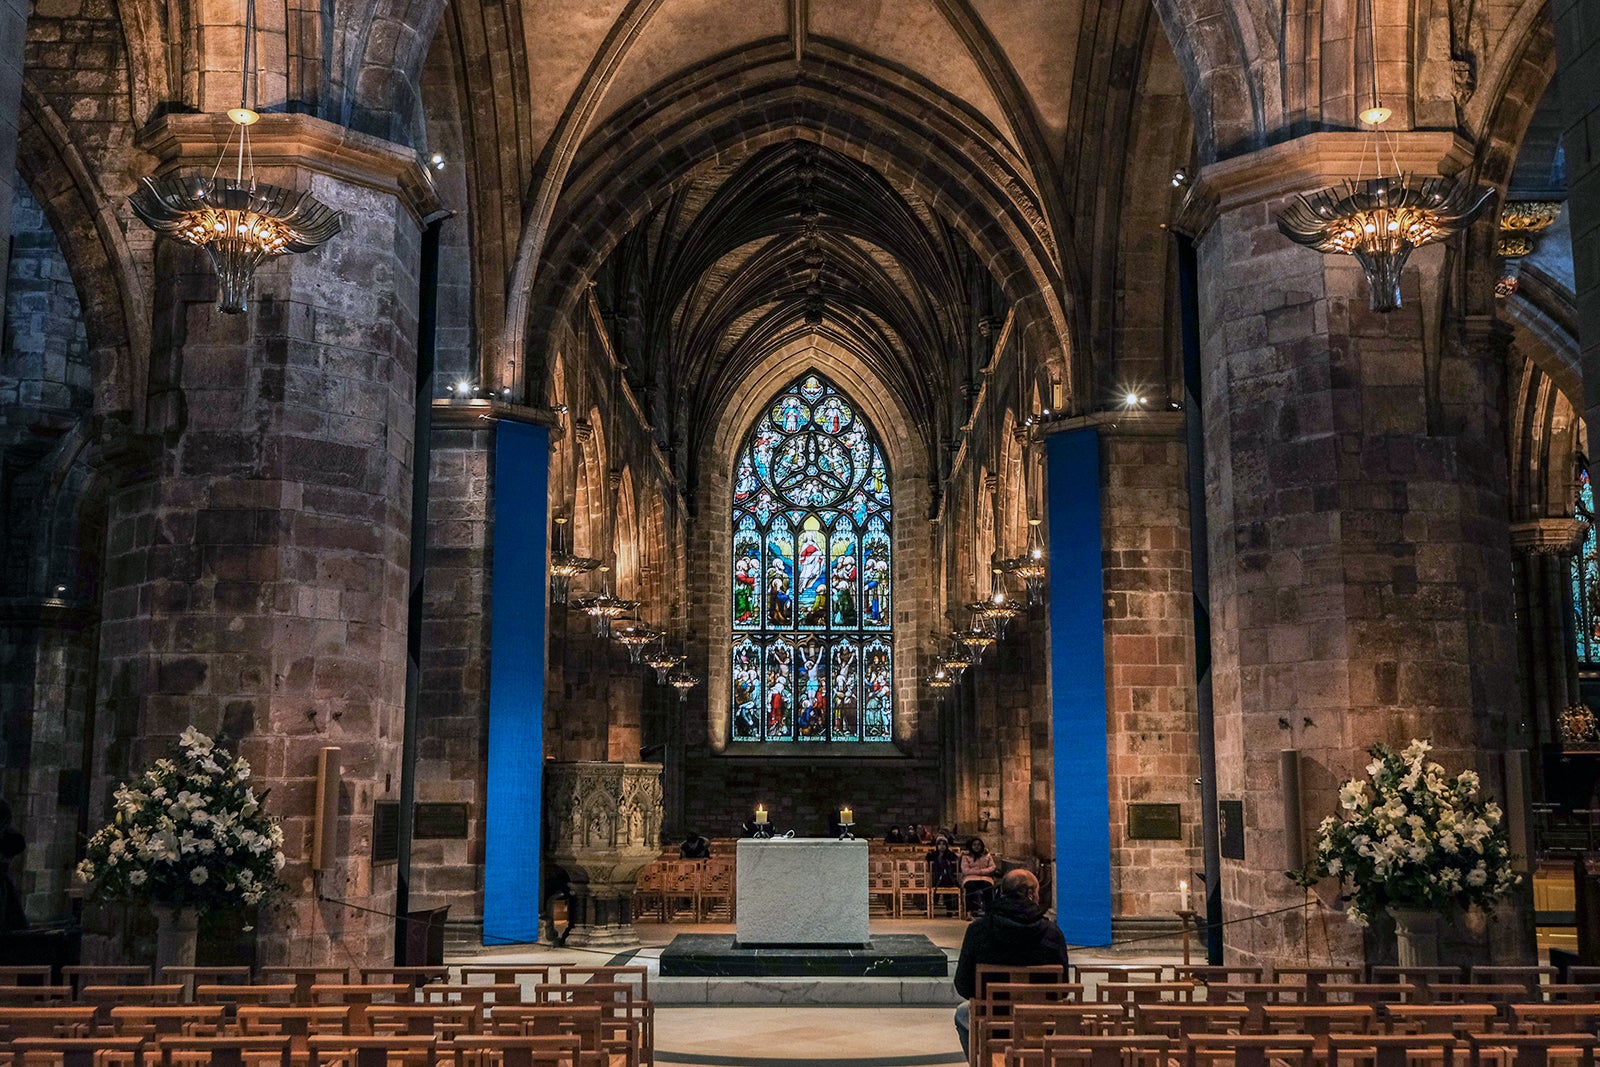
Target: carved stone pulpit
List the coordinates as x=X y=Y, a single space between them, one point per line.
x=603 y=826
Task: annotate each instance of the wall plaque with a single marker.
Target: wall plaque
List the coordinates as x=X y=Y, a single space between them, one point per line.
x=441 y=821
x=1230 y=828
x=385 y=831
x=1155 y=822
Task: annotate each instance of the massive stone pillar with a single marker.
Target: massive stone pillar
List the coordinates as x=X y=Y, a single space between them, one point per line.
x=14 y=34
x=1578 y=46
x=1543 y=554
x=256 y=562
x=1357 y=495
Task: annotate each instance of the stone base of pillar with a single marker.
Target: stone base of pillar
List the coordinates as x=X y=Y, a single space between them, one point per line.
x=614 y=935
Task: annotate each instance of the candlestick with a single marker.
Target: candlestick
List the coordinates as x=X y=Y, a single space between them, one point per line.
x=761 y=814
x=1183 y=896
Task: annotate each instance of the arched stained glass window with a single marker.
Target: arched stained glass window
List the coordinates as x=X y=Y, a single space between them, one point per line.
x=1586 y=578
x=812 y=573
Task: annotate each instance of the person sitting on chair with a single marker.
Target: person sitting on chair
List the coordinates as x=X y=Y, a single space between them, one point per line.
x=694 y=847
x=1014 y=932
x=978 y=871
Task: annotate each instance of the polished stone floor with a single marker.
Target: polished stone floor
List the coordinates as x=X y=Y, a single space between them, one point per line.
x=838 y=1036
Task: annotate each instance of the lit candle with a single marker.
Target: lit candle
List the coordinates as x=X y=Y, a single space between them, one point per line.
x=1183 y=896
x=761 y=814
x=844 y=816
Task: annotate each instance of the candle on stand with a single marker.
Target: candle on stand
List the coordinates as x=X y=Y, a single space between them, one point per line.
x=1183 y=896
x=761 y=814
x=845 y=816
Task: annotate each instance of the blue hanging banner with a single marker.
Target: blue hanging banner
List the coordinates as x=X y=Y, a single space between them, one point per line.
x=511 y=885
x=1078 y=689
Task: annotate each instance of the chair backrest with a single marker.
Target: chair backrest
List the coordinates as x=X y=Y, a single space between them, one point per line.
x=1372 y=992
x=79 y=976
x=225 y=1051
x=1533 y=1050
x=1391 y=1050
x=1555 y=1018
x=57 y=1020
x=211 y=975
x=1029 y=1023
x=1251 y=1050
x=1144 y=992
x=1319 y=1018
x=132 y=994
x=476 y=993
x=298 y=1021
x=1439 y=1018
x=1091 y=1051
x=363 y=993
x=1417 y=975
x=1572 y=994
x=25 y=975
x=1118 y=972
x=515 y=1050
x=34 y=994
x=372 y=1051
x=446 y=1020
x=1528 y=976
x=406 y=975
x=1477 y=992
x=227 y=993
x=1210 y=973
x=583 y=1020
x=168 y=1019
x=1180 y=1020
x=987 y=972
x=913 y=874
x=510 y=974
x=716 y=876
x=581 y=974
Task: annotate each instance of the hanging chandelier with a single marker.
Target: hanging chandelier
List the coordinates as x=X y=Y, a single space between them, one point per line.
x=662 y=659
x=564 y=566
x=239 y=221
x=634 y=635
x=683 y=681
x=1382 y=220
x=955 y=659
x=603 y=607
x=941 y=678
x=997 y=611
x=1030 y=568
x=976 y=639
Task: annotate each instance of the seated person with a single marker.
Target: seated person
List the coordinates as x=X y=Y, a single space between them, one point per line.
x=978 y=872
x=694 y=847
x=1012 y=933
x=944 y=870
x=895 y=836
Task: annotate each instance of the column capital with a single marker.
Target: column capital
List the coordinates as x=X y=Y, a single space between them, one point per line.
x=296 y=142
x=1318 y=160
x=1548 y=536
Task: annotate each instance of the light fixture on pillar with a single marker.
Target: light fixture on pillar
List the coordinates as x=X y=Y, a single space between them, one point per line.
x=238 y=221
x=941 y=678
x=1030 y=567
x=564 y=566
x=1382 y=220
x=682 y=680
x=997 y=609
x=956 y=658
x=976 y=639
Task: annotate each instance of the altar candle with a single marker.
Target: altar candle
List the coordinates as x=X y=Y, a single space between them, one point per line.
x=1183 y=896
x=844 y=816
x=761 y=814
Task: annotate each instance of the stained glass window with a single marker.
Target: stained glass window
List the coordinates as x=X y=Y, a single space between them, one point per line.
x=812 y=575
x=1586 y=578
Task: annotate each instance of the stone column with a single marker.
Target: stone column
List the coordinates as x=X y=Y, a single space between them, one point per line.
x=1578 y=48
x=14 y=34
x=256 y=563
x=1543 y=554
x=1357 y=494
x=603 y=826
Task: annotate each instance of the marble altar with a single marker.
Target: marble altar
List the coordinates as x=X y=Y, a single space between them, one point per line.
x=801 y=891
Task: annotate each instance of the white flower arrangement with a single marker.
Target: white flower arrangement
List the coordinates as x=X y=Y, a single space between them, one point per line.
x=190 y=832
x=1413 y=838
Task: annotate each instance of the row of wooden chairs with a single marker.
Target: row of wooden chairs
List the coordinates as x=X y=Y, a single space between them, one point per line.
x=320 y=1050
x=1127 y=1001
x=1296 y=1050
x=903 y=887
x=693 y=891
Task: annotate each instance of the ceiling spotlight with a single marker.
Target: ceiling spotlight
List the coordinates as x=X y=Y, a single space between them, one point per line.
x=463 y=388
x=437 y=160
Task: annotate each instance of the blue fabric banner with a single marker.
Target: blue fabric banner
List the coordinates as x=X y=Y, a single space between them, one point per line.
x=1078 y=689
x=511 y=885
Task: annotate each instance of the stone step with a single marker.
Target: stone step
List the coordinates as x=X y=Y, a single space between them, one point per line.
x=803 y=992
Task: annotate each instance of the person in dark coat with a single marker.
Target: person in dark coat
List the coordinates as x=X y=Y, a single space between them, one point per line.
x=1014 y=932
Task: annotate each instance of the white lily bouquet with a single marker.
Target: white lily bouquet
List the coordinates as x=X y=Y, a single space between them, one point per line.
x=191 y=832
x=1414 y=838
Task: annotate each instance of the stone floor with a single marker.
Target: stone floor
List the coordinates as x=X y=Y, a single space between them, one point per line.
x=697 y=1036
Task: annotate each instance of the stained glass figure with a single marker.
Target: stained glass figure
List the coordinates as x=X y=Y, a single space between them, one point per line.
x=812 y=567
x=1586 y=578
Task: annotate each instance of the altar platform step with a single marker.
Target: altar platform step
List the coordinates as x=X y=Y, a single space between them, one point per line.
x=882 y=956
x=739 y=992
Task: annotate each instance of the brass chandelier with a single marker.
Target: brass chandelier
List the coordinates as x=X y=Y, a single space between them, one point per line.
x=239 y=221
x=564 y=566
x=1382 y=220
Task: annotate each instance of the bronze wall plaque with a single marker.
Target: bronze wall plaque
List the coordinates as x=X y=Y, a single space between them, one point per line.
x=385 y=831
x=441 y=821
x=1155 y=822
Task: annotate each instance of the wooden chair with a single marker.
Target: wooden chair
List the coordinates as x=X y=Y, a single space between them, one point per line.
x=362 y=996
x=622 y=1014
x=1501 y=993
x=1373 y=993
x=478 y=993
x=1030 y=1024
x=987 y=975
x=298 y=1022
x=79 y=1051
x=1391 y=1050
x=955 y=901
x=1319 y=1020
x=638 y=975
x=1530 y=978
x=448 y=1021
x=1531 y=1050
x=584 y=1022
x=518 y=1050
x=1145 y=992
x=511 y=973
x=1181 y=1020
x=231 y=1050
x=1565 y=993
x=681 y=891
x=1250 y=1050
x=231 y=996
x=304 y=978
x=1566 y=1018
x=1120 y=1051
x=994 y=1030
x=34 y=995
x=366 y=1050
x=914 y=888
x=714 y=891
x=1457 y=1019
x=107 y=997
x=1583 y=974
x=28 y=975
x=882 y=889
x=63 y=1020
x=649 y=893
x=1114 y=972
x=78 y=977
x=403 y=975
x=1317 y=979
x=1423 y=978
x=166 y=1020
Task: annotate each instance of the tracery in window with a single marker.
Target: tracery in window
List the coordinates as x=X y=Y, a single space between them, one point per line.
x=812 y=573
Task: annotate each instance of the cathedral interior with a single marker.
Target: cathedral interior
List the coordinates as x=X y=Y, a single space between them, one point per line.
x=790 y=332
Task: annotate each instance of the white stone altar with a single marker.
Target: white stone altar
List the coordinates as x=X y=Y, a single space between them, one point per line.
x=801 y=891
